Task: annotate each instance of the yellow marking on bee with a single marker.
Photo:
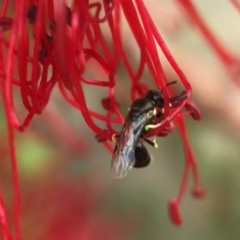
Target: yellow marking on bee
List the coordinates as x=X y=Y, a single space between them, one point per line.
x=153 y=126
x=152 y=113
x=155 y=142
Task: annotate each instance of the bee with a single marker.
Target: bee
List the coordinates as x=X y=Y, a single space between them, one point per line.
x=129 y=150
x=142 y=156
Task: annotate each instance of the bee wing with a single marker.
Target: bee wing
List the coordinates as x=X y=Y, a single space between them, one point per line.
x=124 y=153
x=122 y=162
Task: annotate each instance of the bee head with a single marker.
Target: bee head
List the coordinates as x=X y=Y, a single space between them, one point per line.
x=156 y=97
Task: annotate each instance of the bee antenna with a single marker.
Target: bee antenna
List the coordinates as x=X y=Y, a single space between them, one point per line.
x=170 y=83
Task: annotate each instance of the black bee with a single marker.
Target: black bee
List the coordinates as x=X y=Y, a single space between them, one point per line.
x=129 y=150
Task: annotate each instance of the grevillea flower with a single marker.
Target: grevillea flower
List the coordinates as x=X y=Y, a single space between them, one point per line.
x=236 y=3
x=48 y=44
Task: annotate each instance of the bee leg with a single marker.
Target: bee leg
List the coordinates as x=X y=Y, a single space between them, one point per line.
x=155 y=142
x=152 y=143
x=150 y=126
x=153 y=126
x=114 y=138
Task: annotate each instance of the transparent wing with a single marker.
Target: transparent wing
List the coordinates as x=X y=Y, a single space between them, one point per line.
x=122 y=162
x=124 y=153
x=123 y=157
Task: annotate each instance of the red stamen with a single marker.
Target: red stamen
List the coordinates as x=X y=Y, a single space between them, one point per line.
x=65 y=46
x=231 y=62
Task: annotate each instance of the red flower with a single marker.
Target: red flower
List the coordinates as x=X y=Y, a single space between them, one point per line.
x=230 y=61
x=46 y=43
